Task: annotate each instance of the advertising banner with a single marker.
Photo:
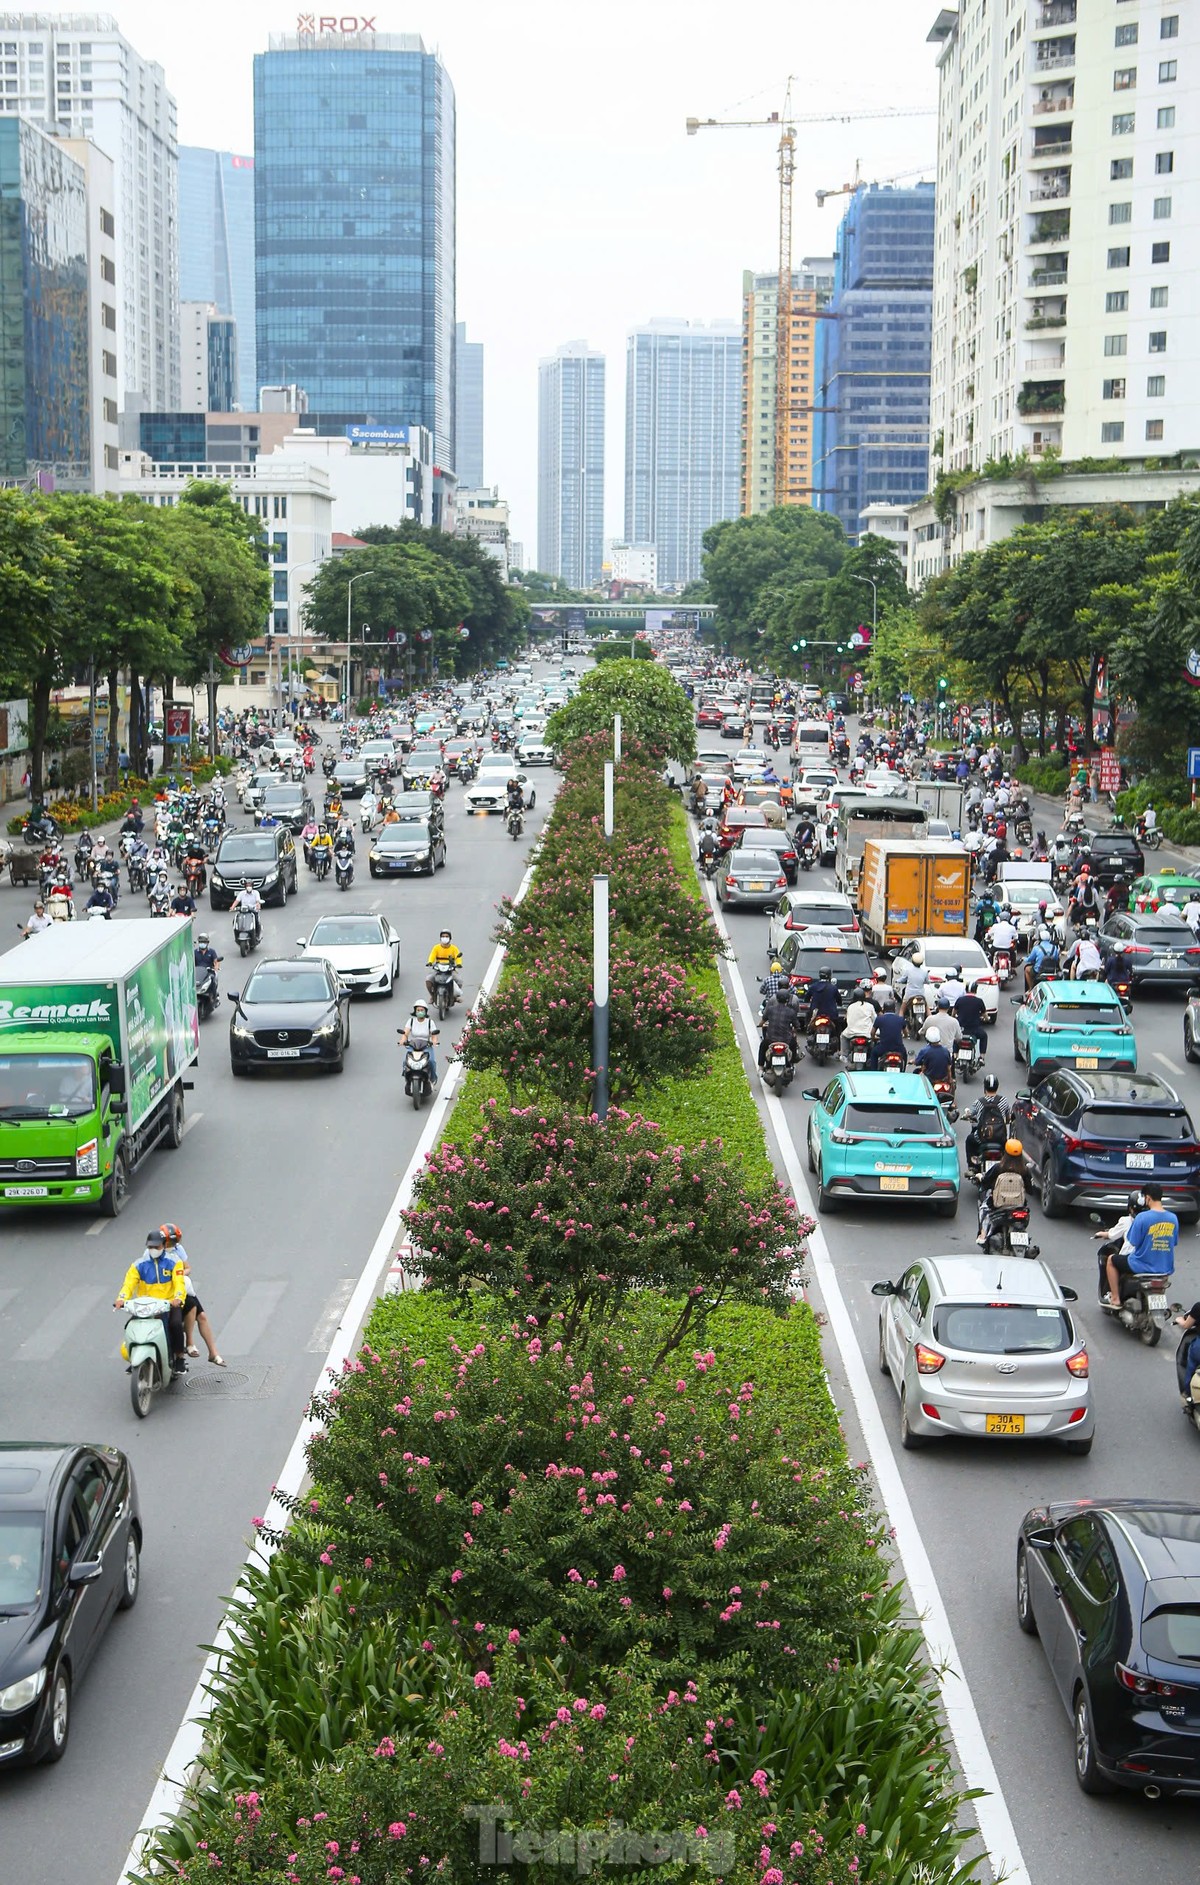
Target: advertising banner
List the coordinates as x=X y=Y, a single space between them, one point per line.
x=1110 y=770
x=178 y=725
x=163 y=1024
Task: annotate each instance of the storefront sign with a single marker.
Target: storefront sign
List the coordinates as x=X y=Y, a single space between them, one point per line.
x=308 y=25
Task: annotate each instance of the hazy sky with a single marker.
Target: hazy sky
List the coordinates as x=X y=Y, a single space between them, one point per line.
x=583 y=207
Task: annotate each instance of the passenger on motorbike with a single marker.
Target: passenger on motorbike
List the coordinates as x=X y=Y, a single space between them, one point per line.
x=1083 y=960
x=159 y=1273
x=421 y=1032
x=915 y=981
x=861 y=1014
x=774 y=982
x=1149 y=1243
x=934 y=1060
x=1042 y=960
x=989 y=1120
x=971 y=1015
x=709 y=846
x=1002 y=1189
x=1085 y=898
x=780 y=1022
x=944 y=1023
x=444 y=950
x=1191 y=1361
x=823 y=1004
x=887 y=1036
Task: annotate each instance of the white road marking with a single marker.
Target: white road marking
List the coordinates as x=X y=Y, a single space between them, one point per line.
x=184 y=1751
x=251 y=1317
x=330 y=1318
x=58 y=1327
x=101 y=1224
x=991 y=1809
x=1168 y=1062
x=193 y=1119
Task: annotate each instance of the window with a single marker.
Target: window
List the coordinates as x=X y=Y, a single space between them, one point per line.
x=1123 y=123
x=1164 y=163
x=1156 y=386
x=1118 y=258
x=1125 y=78
x=1168 y=26
x=1166 y=118
x=1158 y=340
x=1120 y=212
x=112 y=458
x=1114 y=389
x=107 y=226
x=1121 y=169
x=110 y=412
x=1160 y=251
x=1114 y=345
x=1159 y=297
x=108 y=317
x=1126 y=36
x=1154 y=428
x=1162 y=209
x=108 y=269
x=1112 y=432
x=110 y=364
x=1168 y=71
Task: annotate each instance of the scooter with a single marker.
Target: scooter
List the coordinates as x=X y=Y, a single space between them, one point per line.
x=245 y=930
x=822 y=1039
x=1145 y=1306
x=515 y=822
x=207 y=993
x=418 y=1082
x=709 y=861
x=918 y=1015
x=1148 y=839
x=160 y=902
x=967 y=1058
x=778 y=1068
x=1009 y=1233
x=443 y=988
x=944 y=1094
x=856 y=1052
x=1002 y=964
x=145 y=1350
x=1189 y=1383
x=343 y=868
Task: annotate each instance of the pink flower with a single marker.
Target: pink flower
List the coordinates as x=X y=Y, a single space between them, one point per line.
x=733 y=1799
x=667 y=1591
x=514 y=1636
x=386 y=1749
x=618 y=1573
x=483 y=1680
x=758 y=1779
x=597 y=1711
x=397 y=1829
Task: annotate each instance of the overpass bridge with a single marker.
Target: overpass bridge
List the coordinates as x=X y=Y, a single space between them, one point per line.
x=591 y=618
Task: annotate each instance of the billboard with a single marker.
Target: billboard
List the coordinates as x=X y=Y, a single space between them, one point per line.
x=378 y=434
x=673 y=621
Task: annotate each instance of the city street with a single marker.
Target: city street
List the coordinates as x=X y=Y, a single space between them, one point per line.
x=968 y=1500
x=280 y=1187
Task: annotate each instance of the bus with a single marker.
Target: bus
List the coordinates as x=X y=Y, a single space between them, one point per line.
x=871 y=816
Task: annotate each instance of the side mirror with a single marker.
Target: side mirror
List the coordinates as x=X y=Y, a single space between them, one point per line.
x=1068 y=1294
x=302 y=942
x=85 y=1571
x=883 y=1289
x=233 y=994
x=118 y=1108
x=810 y=1093
x=1023 y=1093
x=116 y=1078
x=1040 y=1538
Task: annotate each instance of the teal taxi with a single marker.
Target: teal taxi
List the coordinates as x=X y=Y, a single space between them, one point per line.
x=1164 y=886
x=1074 y=1024
x=882 y=1136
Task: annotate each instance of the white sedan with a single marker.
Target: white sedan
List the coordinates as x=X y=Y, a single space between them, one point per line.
x=748 y=760
x=362 y=949
x=940 y=954
x=489 y=791
x=533 y=749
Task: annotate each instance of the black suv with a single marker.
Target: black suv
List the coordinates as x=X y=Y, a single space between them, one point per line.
x=289 y=803
x=1115 y=854
x=1091 y=1138
x=809 y=951
x=267 y=859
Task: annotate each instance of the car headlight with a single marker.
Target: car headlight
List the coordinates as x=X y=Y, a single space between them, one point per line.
x=87 y=1161
x=19 y=1695
x=239 y=1030
x=328 y=1029
x=270 y=878
x=217 y=881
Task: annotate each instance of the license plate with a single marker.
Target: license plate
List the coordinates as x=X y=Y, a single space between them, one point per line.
x=756 y=886
x=27 y=1191
x=1019 y=1239
x=1156 y=1302
x=858 y=1060
x=1140 y=1161
x=893 y=1184
x=1170 y=962
x=1005 y=1423
x=283 y=1053
x=1087 y=1060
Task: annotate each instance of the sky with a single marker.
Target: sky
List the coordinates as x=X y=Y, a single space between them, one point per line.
x=584 y=209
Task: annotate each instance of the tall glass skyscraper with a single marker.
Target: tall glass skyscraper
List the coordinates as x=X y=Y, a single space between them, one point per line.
x=683 y=438
x=354 y=228
x=468 y=409
x=871 y=440
x=216 y=246
x=571 y=464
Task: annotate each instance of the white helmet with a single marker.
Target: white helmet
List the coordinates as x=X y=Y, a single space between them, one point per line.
x=932 y=1035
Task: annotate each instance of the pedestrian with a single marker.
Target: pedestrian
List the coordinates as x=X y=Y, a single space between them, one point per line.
x=1094 y=780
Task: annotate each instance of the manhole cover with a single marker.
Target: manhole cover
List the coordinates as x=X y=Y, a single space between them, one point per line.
x=229 y=1384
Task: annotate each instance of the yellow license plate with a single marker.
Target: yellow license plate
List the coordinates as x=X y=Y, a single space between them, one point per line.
x=1082 y=1061
x=893 y=1184
x=756 y=886
x=1006 y=1423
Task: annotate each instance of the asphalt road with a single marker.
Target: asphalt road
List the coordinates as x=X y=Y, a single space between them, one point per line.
x=969 y=1498
x=280 y=1187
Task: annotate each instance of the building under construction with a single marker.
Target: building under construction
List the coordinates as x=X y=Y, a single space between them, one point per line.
x=812 y=286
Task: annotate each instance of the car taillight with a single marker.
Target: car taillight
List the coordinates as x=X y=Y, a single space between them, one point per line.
x=781 y=882
x=1078 y=1365
x=928 y=1359
x=1139 y=1684
x=1083 y=1145
x=986 y=981
x=1138 y=949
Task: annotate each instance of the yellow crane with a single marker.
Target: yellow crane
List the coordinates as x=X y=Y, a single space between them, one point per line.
x=785 y=123
x=857 y=181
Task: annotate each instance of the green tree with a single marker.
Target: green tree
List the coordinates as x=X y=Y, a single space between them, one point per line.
x=778 y=548
x=497 y=615
x=404 y=587
x=848 y=601
x=221 y=556
x=653 y=707
x=36 y=571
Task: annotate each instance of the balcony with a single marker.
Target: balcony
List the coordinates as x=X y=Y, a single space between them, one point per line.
x=1051 y=226
x=1039 y=321
x=1041 y=396
x=1047 y=107
x=1051 y=153
x=1059 y=13
x=1052 y=186
x=1046 y=365
x=1053 y=62
x=1053 y=275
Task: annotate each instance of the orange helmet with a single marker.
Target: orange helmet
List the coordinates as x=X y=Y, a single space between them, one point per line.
x=1013 y=1147
x=171 y=1233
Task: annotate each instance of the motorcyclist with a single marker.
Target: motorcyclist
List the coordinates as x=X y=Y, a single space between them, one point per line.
x=954 y=986
x=944 y=1024
x=1150 y=1242
x=159 y=1273
x=1001 y=1189
x=985 y=917
x=1117 y=898
x=444 y=950
x=514 y=795
x=989 y=1120
x=1191 y=1359
x=1042 y=960
x=709 y=846
x=38 y=921
x=805 y=834
x=207 y=958
x=421 y=1032
x=823 y=1003
x=101 y=898
x=861 y=1014
x=248 y=899
x=887 y=1036
x=1084 y=960
x=1117 y=967
x=914 y=981
x=1149 y=819
x=321 y=842
x=780 y=1022
x=1003 y=933
x=934 y=1060
x=1085 y=898
x=970 y=1013
x=776 y=980
x=183 y=903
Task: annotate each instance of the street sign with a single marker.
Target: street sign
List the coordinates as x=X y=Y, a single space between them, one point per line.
x=1193 y=763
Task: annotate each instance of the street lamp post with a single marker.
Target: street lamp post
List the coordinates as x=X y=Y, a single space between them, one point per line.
x=349 y=592
x=874 y=601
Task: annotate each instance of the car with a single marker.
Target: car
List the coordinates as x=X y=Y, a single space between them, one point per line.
x=803 y=909
x=377 y=756
x=762 y=792
x=772 y=839
x=407 y=848
x=804 y=953
x=815 y=782
x=488 y=792
x=939 y=831
x=1089 y=1137
x=749 y=879
x=266 y=859
x=362 y=947
x=1114 y=854
x=289 y=804
x=1150 y=893
x=810 y=694
x=533 y=749
x=256 y=785
x=733 y=725
x=350 y=777
x=1073 y=1024
x=738 y=818
x=882 y=1137
x=417 y=807
x=1112 y=1588
x=986 y=1348
x=749 y=760
x=70 y=1557
x=839 y=702
x=1161 y=951
x=940 y=954
x=710 y=717
x=291 y=1011
x=419 y=766
x=457 y=753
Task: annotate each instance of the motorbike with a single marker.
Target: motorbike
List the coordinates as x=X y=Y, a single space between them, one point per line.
x=83 y=859
x=194 y=875
x=709 y=861
x=1145 y=1308
x=207 y=994
x=343 y=868
x=808 y=855
x=245 y=930
x=1149 y=839
x=39 y=831
x=893 y=1060
x=1002 y=963
x=778 y=1068
x=443 y=988
x=1190 y=1395
x=60 y=904
x=137 y=875
x=822 y=1039
x=418 y=1082
x=944 y=1094
x=320 y=862
x=104 y=911
x=918 y=1015
x=514 y=820
x=967 y=1058
x=986 y=1154
x=1122 y=988
x=856 y=1051
x=328 y=762
x=145 y=1351
x=1009 y=1233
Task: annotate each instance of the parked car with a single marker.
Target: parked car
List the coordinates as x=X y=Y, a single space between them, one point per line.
x=1112 y=1588
x=1161 y=950
x=806 y=909
x=985 y=1347
x=882 y=1137
x=1073 y=1024
x=290 y=1011
x=748 y=878
x=1089 y=1137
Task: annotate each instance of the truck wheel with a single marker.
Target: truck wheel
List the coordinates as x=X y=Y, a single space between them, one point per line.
x=116 y=1191
x=174 y=1132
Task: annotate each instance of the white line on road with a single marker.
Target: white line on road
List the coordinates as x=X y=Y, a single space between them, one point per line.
x=1168 y=1062
x=251 y=1317
x=329 y=1318
x=184 y=1751
x=193 y=1119
x=58 y=1327
x=991 y=1809
x=96 y=1229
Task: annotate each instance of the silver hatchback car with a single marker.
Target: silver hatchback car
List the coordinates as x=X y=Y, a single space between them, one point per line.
x=985 y=1347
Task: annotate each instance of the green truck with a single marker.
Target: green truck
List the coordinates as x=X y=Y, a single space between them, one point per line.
x=98 y=1027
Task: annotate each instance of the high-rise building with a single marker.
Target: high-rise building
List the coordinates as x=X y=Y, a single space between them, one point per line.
x=76 y=75
x=216 y=246
x=812 y=285
x=1065 y=315
x=468 y=409
x=571 y=464
x=103 y=310
x=208 y=346
x=354 y=228
x=683 y=436
x=871 y=426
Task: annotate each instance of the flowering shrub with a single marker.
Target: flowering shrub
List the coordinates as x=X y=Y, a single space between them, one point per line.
x=561 y=1213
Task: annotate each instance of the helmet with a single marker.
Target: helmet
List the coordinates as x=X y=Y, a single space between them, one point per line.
x=202 y=940
x=991 y=1085
x=420 y=1007
x=245 y=883
x=864 y=987
x=956 y=971
x=826 y=975
x=1013 y=1148
x=776 y=967
x=1135 y=1202
x=445 y=935
x=709 y=825
x=932 y=1035
x=1044 y=934
x=170 y=1233
x=943 y=1000
x=879 y=975
x=154 y=1240
x=1084 y=870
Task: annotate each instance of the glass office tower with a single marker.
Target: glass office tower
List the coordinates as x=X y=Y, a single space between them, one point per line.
x=683 y=438
x=571 y=464
x=354 y=228
x=216 y=247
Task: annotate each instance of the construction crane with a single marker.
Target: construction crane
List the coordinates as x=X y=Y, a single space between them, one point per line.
x=785 y=122
x=856 y=182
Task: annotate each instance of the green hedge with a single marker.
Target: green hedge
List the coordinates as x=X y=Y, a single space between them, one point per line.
x=1181 y=827
x=1048 y=776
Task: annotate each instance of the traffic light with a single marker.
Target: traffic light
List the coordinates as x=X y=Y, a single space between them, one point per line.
x=942 y=684
x=803 y=644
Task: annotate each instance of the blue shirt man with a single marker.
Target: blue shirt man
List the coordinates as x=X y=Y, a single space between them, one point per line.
x=934 y=1061
x=1152 y=1238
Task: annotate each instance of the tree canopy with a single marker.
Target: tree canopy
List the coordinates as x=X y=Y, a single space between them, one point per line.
x=653 y=708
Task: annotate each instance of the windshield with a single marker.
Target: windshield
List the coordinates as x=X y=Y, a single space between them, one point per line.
x=280 y=984
x=1001 y=1328
x=345 y=929
x=843 y=962
x=246 y=848
x=1172 y=1633
x=283 y=795
x=411 y=836
x=1164 y=935
x=949 y=955
x=1078 y=1013
x=923 y=1121
x=820 y=914
x=20 y=1559
x=1115 y=1122
x=54 y=1086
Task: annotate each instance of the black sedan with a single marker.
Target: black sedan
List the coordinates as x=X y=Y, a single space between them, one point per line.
x=1113 y=1590
x=781 y=842
x=290 y=1012
x=406 y=849
x=1160 y=949
x=70 y=1555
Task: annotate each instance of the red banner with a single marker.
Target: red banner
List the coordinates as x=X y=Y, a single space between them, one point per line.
x=1110 y=770
x=178 y=723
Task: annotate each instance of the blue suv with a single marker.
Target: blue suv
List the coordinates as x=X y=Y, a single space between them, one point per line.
x=1091 y=1138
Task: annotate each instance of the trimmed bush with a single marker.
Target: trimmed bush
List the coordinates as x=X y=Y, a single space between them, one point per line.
x=1047 y=776
x=1182 y=827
